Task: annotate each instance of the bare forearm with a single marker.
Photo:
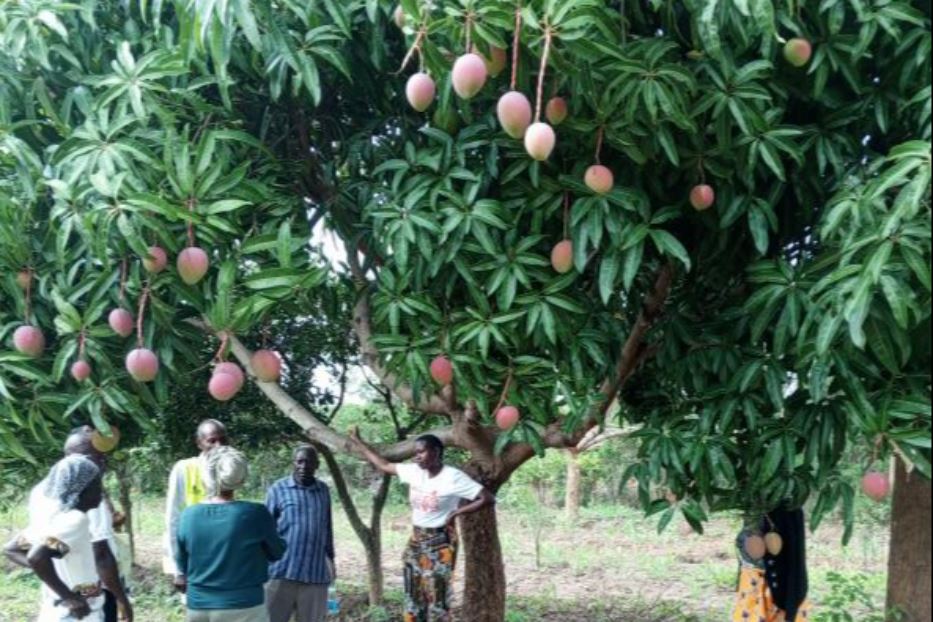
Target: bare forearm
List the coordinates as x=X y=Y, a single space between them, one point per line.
x=108 y=570
x=40 y=560
x=16 y=553
x=376 y=460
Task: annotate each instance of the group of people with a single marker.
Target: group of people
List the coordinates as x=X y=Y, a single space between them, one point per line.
x=234 y=560
x=239 y=561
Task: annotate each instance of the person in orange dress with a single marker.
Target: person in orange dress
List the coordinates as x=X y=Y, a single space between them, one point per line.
x=774 y=588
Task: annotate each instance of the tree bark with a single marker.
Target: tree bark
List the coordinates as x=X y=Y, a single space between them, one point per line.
x=572 y=486
x=484 y=589
x=910 y=557
x=126 y=507
x=376 y=575
x=374 y=547
x=370 y=535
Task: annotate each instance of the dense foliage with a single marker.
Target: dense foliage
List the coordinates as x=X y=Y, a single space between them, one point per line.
x=799 y=316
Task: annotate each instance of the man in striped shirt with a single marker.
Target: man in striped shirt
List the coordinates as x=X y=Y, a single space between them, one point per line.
x=301 y=507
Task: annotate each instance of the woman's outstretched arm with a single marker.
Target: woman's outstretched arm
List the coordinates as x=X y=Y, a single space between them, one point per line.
x=375 y=459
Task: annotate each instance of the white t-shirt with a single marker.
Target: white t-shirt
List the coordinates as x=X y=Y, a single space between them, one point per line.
x=434 y=499
x=100 y=521
x=68 y=532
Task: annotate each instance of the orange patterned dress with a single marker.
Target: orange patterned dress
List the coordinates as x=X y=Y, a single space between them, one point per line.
x=755 y=602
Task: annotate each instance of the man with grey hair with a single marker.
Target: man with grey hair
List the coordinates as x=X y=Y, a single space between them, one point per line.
x=224 y=546
x=186 y=487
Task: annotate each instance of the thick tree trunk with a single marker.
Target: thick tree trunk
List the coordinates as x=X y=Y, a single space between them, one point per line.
x=484 y=578
x=910 y=556
x=573 y=484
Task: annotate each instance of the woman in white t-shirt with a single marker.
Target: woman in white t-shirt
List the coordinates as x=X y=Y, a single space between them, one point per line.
x=61 y=554
x=438 y=495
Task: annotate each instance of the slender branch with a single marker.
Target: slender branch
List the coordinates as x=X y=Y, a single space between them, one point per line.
x=343 y=491
x=379 y=503
x=594 y=438
x=191 y=202
x=566 y=215
x=141 y=314
x=415 y=47
x=548 y=33
x=340 y=399
x=28 y=300
x=516 y=45
x=122 y=296
x=505 y=391
x=469 y=31
x=599 y=142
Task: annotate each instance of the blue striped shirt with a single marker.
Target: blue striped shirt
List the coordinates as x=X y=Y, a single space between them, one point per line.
x=304 y=519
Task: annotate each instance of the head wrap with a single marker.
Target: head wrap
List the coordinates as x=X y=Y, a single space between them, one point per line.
x=225 y=469
x=68 y=479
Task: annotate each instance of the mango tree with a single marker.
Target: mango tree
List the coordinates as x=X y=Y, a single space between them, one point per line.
x=709 y=220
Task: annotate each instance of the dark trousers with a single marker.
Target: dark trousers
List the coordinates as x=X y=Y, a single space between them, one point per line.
x=110 y=607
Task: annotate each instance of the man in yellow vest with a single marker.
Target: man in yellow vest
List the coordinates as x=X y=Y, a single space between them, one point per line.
x=186 y=488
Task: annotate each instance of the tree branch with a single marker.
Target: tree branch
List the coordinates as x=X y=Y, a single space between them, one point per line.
x=343 y=395
x=594 y=438
x=632 y=355
x=362 y=324
x=343 y=492
x=310 y=425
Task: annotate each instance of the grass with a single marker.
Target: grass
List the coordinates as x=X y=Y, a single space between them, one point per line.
x=611 y=565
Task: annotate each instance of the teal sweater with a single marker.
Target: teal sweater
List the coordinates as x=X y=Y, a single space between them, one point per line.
x=224 y=550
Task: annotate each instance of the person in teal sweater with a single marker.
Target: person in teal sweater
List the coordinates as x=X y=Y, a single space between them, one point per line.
x=225 y=546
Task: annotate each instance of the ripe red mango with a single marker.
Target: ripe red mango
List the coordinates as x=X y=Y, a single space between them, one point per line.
x=556 y=110
x=121 y=322
x=469 y=75
x=29 y=340
x=876 y=486
x=192 y=264
x=539 y=141
x=514 y=113
x=599 y=179
x=266 y=365
x=224 y=386
x=507 y=417
x=442 y=370
x=562 y=256
x=420 y=91
x=80 y=370
x=142 y=364
x=702 y=197
x=155 y=260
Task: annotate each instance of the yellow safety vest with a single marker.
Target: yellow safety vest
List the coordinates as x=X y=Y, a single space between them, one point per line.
x=195 y=490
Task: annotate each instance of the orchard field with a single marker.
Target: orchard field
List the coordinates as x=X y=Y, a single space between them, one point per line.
x=705 y=224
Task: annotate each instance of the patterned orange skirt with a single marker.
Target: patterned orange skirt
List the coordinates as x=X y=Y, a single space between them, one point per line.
x=755 y=603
